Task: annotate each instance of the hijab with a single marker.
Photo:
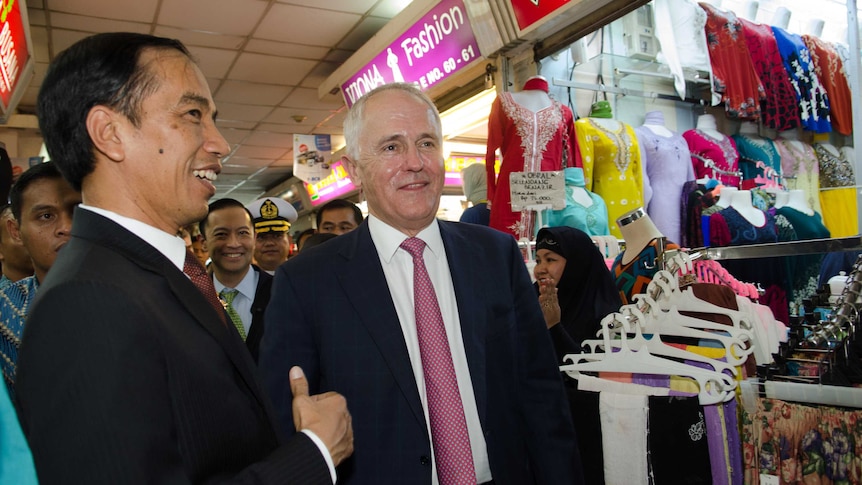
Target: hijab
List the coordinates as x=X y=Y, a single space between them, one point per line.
x=475 y=182
x=586 y=290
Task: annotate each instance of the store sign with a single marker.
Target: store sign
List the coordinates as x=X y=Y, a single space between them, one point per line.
x=440 y=44
x=13 y=49
x=531 y=190
x=528 y=12
x=335 y=185
x=311 y=154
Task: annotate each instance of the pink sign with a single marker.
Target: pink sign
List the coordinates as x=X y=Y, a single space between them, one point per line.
x=437 y=46
x=335 y=185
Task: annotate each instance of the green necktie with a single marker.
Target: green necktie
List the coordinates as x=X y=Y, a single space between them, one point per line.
x=228 y=295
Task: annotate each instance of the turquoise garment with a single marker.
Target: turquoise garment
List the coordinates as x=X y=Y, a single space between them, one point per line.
x=15 y=301
x=4 y=281
x=759 y=161
x=593 y=220
x=16 y=462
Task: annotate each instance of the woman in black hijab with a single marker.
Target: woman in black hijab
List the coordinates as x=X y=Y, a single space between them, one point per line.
x=575 y=287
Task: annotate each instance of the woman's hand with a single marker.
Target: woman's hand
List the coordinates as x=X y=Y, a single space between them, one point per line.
x=548 y=301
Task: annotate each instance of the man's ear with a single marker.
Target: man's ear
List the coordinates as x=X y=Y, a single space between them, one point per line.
x=12 y=229
x=204 y=244
x=104 y=127
x=352 y=171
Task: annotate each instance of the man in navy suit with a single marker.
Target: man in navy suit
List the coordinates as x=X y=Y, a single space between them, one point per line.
x=345 y=312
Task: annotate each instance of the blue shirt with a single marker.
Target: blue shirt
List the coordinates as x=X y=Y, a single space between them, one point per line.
x=15 y=301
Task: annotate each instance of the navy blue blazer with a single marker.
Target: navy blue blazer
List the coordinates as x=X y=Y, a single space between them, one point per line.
x=331 y=313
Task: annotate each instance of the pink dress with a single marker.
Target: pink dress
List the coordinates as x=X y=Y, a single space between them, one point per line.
x=529 y=142
x=722 y=152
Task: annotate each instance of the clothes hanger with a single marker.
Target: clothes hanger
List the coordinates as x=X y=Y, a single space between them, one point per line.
x=714 y=387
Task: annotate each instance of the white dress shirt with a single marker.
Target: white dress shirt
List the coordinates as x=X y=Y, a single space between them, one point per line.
x=398 y=269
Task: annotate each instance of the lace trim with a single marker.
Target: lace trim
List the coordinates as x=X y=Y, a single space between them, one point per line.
x=541 y=125
x=623 y=141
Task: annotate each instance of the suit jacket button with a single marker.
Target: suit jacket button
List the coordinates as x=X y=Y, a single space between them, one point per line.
x=424 y=460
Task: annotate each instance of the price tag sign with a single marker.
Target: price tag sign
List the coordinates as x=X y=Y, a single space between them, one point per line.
x=537 y=188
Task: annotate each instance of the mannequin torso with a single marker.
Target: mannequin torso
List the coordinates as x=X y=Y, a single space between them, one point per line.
x=706 y=124
x=796 y=199
x=741 y=201
x=638 y=232
x=725 y=196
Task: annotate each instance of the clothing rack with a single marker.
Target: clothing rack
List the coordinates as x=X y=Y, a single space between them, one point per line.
x=602 y=88
x=710 y=164
x=789 y=248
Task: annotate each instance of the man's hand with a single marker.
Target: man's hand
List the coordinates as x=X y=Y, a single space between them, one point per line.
x=324 y=414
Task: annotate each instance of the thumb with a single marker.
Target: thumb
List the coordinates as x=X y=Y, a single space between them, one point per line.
x=298 y=382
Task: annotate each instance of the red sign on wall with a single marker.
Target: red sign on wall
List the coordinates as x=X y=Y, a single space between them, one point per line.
x=13 y=49
x=528 y=12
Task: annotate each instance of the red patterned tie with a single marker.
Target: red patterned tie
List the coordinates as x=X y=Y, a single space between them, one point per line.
x=449 y=436
x=198 y=274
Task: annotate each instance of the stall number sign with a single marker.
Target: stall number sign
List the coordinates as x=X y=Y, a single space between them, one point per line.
x=440 y=44
x=530 y=189
x=13 y=48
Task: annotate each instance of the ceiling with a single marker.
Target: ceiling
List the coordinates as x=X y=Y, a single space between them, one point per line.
x=264 y=60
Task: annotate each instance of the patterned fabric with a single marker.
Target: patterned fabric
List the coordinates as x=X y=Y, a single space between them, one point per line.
x=801 y=170
x=780 y=110
x=803 y=271
x=452 y=452
x=733 y=72
x=812 y=98
x=801 y=444
x=729 y=228
x=4 y=281
x=227 y=295
x=632 y=278
x=835 y=169
x=832 y=76
x=198 y=274
x=15 y=300
x=612 y=166
x=668 y=166
x=513 y=129
x=759 y=161
x=722 y=152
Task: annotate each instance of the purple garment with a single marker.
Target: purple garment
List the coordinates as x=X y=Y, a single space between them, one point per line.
x=668 y=166
x=721 y=427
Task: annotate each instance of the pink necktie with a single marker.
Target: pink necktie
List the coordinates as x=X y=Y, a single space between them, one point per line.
x=198 y=274
x=449 y=436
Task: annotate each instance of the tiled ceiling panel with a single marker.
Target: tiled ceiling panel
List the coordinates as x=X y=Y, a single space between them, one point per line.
x=264 y=60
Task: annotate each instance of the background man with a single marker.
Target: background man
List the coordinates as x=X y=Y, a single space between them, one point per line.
x=338 y=216
x=272 y=218
x=42 y=204
x=15 y=261
x=243 y=287
x=452 y=380
x=129 y=371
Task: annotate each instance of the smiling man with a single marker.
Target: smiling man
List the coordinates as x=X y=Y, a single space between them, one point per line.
x=127 y=335
x=243 y=288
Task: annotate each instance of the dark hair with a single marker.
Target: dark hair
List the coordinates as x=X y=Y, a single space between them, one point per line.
x=103 y=70
x=339 y=204
x=41 y=171
x=219 y=205
x=317 y=239
x=299 y=236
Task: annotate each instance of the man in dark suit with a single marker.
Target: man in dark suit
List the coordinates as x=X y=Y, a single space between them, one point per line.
x=464 y=390
x=243 y=288
x=129 y=372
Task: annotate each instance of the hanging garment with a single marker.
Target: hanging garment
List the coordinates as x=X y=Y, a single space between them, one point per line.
x=779 y=108
x=728 y=228
x=529 y=142
x=832 y=76
x=733 y=72
x=759 y=161
x=679 y=27
x=801 y=170
x=812 y=98
x=668 y=166
x=632 y=278
x=612 y=166
x=722 y=152
x=837 y=191
x=592 y=219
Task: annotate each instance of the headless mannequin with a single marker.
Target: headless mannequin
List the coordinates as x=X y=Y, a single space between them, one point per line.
x=749 y=129
x=781 y=18
x=781 y=199
x=796 y=199
x=822 y=139
x=654 y=121
x=534 y=96
x=741 y=201
x=706 y=124
x=725 y=196
x=638 y=232
x=793 y=137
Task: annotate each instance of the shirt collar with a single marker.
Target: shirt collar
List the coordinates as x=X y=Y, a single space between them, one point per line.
x=247 y=287
x=170 y=245
x=388 y=240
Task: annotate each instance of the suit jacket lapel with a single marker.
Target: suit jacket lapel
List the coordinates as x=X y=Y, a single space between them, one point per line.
x=465 y=264
x=105 y=232
x=364 y=283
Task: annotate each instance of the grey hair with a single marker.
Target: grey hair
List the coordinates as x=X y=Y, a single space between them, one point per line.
x=354 y=119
